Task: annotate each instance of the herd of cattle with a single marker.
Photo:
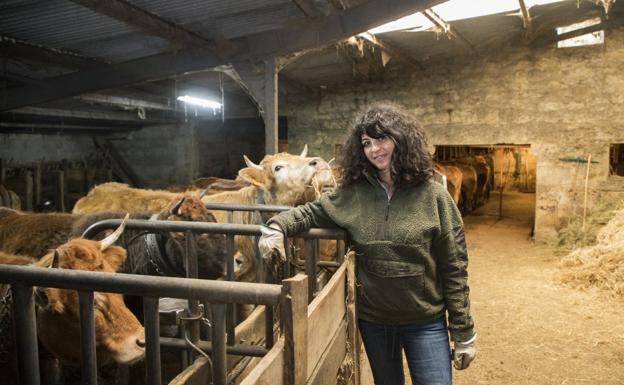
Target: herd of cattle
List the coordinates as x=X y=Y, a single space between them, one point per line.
x=54 y=240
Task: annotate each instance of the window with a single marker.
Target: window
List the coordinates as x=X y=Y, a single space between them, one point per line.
x=616 y=159
x=587 y=39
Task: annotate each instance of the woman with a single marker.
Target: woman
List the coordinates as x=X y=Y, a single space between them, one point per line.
x=411 y=255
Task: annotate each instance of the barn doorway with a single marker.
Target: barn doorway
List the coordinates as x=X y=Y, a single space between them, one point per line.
x=505 y=179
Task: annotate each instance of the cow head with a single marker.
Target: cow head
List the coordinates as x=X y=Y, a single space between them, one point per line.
x=119 y=336
x=288 y=179
x=211 y=248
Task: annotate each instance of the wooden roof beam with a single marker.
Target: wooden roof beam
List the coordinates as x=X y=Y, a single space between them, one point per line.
x=307 y=7
x=392 y=51
x=11 y=48
x=447 y=28
x=527 y=23
x=260 y=46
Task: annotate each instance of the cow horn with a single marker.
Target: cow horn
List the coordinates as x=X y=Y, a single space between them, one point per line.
x=203 y=193
x=111 y=239
x=251 y=164
x=304 y=153
x=55 y=260
x=176 y=207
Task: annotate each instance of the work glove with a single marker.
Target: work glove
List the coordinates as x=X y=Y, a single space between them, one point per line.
x=272 y=241
x=464 y=353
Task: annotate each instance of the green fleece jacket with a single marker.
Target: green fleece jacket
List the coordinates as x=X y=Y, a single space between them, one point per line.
x=411 y=255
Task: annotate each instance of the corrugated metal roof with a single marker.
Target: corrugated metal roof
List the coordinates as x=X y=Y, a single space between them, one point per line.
x=56 y=23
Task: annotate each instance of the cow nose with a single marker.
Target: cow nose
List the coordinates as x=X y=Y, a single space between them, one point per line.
x=140 y=342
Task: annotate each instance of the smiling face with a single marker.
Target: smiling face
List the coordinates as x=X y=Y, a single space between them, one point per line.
x=379 y=151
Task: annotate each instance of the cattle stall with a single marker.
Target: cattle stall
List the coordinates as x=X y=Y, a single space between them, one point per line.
x=228 y=318
x=496 y=170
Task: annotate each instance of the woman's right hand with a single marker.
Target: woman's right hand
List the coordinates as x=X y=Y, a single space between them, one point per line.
x=272 y=241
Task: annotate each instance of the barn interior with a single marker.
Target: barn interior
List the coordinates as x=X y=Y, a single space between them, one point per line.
x=93 y=96
x=94 y=91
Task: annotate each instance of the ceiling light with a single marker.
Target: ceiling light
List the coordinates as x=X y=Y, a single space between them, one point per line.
x=200 y=102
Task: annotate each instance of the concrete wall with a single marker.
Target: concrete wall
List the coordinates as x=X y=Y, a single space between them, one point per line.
x=561 y=102
x=162 y=156
x=19 y=149
x=176 y=154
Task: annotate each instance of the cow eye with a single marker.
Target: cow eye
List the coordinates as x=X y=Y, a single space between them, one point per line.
x=313 y=163
x=277 y=168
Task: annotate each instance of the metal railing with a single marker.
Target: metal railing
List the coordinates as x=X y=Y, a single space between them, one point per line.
x=217 y=293
x=311 y=248
x=220 y=296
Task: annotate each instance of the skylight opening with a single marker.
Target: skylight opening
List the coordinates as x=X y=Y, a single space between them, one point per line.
x=456 y=10
x=593 y=38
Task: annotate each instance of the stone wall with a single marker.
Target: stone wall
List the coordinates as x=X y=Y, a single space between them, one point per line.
x=563 y=102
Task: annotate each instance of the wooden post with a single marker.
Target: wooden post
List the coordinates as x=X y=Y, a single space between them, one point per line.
x=352 y=326
x=61 y=190
x=28 y=178
x=270 y=106
x=37 y=182
x=2 y=171
x=585 y=195
x=295 y=328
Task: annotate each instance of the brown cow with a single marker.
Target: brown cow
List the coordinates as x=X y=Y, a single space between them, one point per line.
x=483 y=176
x=280 y=179
x=33 y=234
x=453 y=179
x=468 y=186
x=119 y=336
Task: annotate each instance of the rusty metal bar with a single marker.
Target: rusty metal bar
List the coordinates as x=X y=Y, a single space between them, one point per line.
x=340 y=251
x=193 y=304
x=202 y=227
x=219 y=361
x=268 y=323
x=144 y=285
x=235 y=207
x=26 y=334
x=310 y=257
x=152 y=334
x=230 y=317
x=237 y=350
x=87 y=338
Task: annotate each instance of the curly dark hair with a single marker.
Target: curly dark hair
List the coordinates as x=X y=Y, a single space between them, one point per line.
x=411 y=161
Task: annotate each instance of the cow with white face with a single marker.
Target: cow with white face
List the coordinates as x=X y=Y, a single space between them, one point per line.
x=279 y=179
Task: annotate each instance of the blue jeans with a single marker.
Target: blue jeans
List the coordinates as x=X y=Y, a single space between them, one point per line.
x=426 y=349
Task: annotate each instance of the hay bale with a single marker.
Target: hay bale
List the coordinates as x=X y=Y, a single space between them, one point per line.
x=573 y=236
x=600 y=265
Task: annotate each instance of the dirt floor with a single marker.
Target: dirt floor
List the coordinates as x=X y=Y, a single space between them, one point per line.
x=531 y=331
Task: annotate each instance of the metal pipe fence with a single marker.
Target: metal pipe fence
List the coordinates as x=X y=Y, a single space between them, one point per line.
x=24 y=278
x=221 y=295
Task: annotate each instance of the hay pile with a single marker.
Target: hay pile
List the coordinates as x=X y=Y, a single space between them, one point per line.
x=574 y=236
x=600 y=265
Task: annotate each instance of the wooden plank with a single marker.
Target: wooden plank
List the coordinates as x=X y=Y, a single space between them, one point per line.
x=270 y=107
x=324 y=314
x=270 y=370
x=329 y=363
x=295 y=327
x=352 y=326
x=250 y=331
x=196 y=374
